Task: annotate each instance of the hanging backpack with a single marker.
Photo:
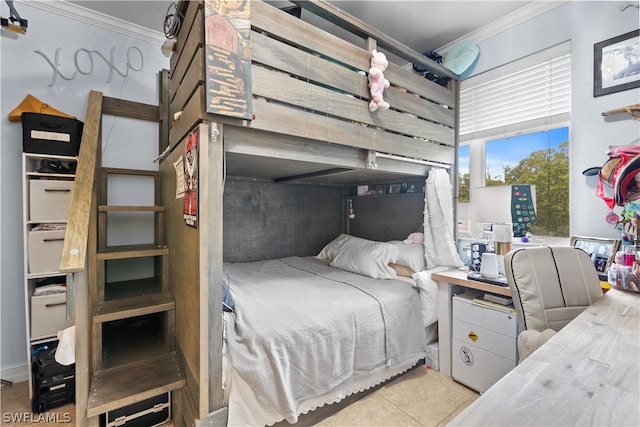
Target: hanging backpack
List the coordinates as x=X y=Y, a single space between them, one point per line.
x=617 y=176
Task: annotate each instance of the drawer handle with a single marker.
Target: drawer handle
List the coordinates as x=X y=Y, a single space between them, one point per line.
x=58 y=190
x=55 y=304
x=54 y=240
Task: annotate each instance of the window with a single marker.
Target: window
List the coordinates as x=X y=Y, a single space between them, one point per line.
x=514 y=130
x=540 y=159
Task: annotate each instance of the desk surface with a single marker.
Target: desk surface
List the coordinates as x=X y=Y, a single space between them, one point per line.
x=458 y=277
x=587 y=374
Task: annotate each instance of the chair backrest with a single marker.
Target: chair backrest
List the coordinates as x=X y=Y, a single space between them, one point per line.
x=550 y=285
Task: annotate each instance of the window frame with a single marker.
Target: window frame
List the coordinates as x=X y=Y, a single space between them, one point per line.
x=477 y=139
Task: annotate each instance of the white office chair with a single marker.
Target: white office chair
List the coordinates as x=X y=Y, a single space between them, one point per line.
x=550 y=287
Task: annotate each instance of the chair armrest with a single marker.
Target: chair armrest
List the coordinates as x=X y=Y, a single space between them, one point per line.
x=530 y=340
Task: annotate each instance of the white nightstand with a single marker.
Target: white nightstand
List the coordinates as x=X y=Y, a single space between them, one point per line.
x=483 y=342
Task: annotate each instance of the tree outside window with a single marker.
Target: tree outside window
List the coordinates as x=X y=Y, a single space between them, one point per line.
x=540 y=159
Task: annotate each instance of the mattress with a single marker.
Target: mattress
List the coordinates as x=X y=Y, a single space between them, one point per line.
x=305 y=334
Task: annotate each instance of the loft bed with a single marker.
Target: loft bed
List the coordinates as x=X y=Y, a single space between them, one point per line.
x=275 y=186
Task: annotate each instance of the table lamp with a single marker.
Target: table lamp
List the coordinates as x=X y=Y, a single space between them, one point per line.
x=502 y=234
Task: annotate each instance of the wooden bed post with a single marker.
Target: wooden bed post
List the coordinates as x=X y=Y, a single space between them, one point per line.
x=211 y=181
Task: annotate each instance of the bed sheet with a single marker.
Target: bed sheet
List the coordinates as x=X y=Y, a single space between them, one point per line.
x=304 y=334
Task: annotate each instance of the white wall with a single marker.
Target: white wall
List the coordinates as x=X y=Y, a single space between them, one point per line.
x=584 y=23
x=79 y=37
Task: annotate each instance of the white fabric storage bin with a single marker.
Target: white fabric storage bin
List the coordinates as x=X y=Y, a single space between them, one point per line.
x=48 y=315
x=45 y=250
x=432 y=358
x=49 y=199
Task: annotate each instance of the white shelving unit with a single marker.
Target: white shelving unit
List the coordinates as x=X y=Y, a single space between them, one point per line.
x=45 y=200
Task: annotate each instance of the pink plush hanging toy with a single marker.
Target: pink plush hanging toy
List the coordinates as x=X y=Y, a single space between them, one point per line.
x=377 y=82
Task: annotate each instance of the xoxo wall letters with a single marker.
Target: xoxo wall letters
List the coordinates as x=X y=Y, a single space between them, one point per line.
x=84 y=59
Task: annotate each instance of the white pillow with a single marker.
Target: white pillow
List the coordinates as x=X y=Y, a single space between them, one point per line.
x=329 y=252
x=367 y=258
x=410 y=255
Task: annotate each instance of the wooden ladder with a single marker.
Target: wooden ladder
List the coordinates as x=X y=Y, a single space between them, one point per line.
x=131 y=320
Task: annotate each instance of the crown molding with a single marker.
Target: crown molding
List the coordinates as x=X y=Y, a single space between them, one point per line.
x=97 y=19
x=506 y=22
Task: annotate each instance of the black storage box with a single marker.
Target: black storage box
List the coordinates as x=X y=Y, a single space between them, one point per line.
x=47 y=134
x=53 y=384
x=147 y=413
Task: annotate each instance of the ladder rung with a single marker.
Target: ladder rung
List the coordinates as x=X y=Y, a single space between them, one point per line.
x=125 y=308
x=133 y=251
x=124 y=171
x=111 y=208
x=125 y=385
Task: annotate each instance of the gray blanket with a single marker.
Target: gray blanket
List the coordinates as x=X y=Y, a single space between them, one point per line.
x=303 y=328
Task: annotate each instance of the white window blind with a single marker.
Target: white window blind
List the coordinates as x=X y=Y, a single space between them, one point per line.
x=534 y=91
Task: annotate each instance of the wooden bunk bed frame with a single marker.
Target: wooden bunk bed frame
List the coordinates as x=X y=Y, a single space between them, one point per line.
x=311 y=125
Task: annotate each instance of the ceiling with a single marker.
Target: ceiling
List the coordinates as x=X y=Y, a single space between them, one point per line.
x=421 y=25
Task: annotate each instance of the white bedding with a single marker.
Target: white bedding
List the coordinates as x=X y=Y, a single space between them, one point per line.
x=305 y=334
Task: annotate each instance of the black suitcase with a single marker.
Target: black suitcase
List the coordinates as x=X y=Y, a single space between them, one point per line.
x=53 y=384
x=147 y=413
x=47 y=134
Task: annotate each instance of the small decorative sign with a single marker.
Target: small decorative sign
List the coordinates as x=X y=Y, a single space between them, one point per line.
x=466 y=355
x=190 y=210
x=228 y=58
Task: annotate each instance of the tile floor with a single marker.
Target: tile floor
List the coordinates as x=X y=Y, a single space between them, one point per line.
x=15 y=408
x=422 y=397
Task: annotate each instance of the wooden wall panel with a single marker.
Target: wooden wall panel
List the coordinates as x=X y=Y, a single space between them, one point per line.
x=307 y=65
x=192 y=114
x=279 y=118
x=273 y=21
x=269 y=19
x=190 y=37
x=192 y=81
x=280 y=87
x=183 y=242
x=310 y=67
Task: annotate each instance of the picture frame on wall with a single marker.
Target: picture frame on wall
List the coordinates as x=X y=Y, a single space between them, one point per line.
x=601 y=251
x=616 y=64
x=394 y=188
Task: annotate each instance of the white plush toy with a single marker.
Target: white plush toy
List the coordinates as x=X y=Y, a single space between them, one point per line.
x=377 y=82
x=414 y=239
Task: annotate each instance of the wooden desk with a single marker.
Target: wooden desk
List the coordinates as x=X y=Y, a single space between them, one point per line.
x=449 y=284
x=588 y=374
